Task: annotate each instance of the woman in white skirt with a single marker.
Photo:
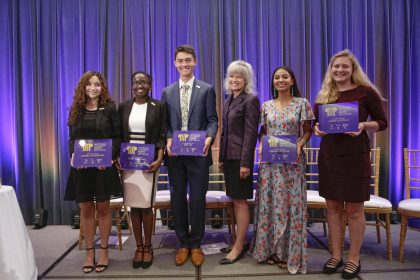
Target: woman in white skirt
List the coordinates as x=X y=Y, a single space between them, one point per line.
x=143 y=121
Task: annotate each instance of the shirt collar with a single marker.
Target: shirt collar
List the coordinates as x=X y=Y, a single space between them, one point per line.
x=190 y=83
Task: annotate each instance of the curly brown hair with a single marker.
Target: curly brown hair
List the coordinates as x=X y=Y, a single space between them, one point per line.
x=80 y=98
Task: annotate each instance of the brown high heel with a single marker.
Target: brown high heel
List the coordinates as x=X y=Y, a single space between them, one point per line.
x=147 y=250
x=140 y=249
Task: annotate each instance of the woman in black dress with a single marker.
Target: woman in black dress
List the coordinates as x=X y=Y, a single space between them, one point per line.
x=344 y=161
x=93 y=115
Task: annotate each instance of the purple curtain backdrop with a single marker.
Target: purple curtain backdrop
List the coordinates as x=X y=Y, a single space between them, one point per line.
x=47 y=45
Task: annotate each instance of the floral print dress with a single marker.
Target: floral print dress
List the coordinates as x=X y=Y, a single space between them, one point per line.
x=280 y=210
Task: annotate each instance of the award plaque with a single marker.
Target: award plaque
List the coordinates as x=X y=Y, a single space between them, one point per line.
x=339 y=117
x=188 y=143
x=92 y=153
x=137 y=156
x=279 y=149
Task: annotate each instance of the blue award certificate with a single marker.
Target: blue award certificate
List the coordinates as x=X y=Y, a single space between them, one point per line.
x=339 y=117
x=279 y=149
x=92 y=153
x=137 y=156
x=188 y=143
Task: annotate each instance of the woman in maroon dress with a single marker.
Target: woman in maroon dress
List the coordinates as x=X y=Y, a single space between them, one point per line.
x=344 y=161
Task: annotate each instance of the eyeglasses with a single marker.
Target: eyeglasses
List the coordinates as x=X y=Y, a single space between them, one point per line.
x=141 y=83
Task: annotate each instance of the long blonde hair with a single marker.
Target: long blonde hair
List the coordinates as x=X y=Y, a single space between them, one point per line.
x=329 y=91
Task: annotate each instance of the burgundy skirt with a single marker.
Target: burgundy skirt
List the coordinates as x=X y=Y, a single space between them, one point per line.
x=345 y=177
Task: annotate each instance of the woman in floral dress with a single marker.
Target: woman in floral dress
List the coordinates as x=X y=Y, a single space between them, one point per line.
x=280 y=212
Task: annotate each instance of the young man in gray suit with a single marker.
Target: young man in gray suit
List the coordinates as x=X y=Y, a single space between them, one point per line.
x=191 y=105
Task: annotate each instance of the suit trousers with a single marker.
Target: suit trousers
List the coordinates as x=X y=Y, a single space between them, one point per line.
x=188 y=174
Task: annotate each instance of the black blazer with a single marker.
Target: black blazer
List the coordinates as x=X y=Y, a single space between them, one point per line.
x=155 y=122
x=108 y=126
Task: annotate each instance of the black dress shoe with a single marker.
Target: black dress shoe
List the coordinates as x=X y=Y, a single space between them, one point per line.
x=226 y=260
x=352 y=270
x=332 y=265
x=227 y=250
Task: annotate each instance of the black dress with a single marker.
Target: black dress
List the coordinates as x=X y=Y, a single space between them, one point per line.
x=92 y=184
x=344 y=161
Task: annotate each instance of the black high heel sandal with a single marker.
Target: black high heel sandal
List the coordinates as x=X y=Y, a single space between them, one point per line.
x=140 y=249
x=332 y=265
x=102 y=267
x=352 y=270
x=147 y=251
x=89 y=268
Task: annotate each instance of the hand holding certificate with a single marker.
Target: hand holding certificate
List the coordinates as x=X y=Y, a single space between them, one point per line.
x=92 y=153
x=188 y=143
x=137 y=156
x=339 y=117
x=279 y=149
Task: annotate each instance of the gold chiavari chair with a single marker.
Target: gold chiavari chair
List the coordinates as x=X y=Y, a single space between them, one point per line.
x=409 y=207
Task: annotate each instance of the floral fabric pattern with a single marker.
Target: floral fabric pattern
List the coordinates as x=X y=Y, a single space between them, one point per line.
x=280 y=211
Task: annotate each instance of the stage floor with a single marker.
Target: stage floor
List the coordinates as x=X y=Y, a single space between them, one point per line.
x=58 y=257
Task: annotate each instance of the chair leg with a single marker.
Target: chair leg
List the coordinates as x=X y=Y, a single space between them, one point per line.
x=81 y=237
x=388 y=235
x=231 y=223
x=154 y=221
x=403 y=233
x=118 y=219
x=128 y=219
x=378 y=228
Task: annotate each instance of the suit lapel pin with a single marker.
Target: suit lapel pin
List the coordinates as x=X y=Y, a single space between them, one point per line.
x=153 y=103
x=197 y=86
x=101 y=108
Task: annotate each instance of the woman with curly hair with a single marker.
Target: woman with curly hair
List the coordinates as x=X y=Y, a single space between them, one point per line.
x=93 y=115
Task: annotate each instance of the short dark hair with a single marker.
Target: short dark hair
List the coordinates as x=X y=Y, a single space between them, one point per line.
x=187 y=49
x=144 y=73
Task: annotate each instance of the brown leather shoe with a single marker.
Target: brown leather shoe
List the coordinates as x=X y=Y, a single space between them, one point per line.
x=197 y=257
x=181 y=256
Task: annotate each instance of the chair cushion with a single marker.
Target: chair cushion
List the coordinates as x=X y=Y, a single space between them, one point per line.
x=116 y=200
x=215 y=193
x=314 y=197
x=412 y=204
x=217 y=196
x=377 y=202
x=225 y=198
x=163 y=192
x=253 y=197
x=163 y=198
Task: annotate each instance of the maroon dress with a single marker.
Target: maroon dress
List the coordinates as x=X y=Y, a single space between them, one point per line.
x=344 y=161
